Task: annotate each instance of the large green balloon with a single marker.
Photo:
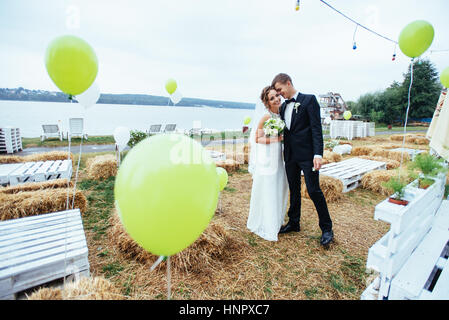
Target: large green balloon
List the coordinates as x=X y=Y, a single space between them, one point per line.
x=71 y=63
x=167 y=192
x=222 y=177
x=247 y=120
x=171 y=86
x=416 y=38
x=347 y=115
x=444 y=77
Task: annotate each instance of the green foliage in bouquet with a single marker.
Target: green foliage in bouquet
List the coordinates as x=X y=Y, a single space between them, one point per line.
x=273 y=127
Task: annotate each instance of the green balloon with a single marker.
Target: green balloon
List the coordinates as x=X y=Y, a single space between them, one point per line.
x=247 y=120
x=416 y=38
x=71 y=63
x=167 y=192
x=444 y=77
x=347 y=115
x=171 y=86
x=222 y=177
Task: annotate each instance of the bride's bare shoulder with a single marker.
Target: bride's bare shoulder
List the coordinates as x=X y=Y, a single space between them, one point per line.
x=263 y=119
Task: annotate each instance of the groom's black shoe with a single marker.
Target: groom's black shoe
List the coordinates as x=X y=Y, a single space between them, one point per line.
x=327 y=237
x=289 y=227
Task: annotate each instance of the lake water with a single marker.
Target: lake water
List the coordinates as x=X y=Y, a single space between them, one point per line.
x=102 y=119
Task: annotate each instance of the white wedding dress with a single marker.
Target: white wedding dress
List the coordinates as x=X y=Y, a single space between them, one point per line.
x=269 y=194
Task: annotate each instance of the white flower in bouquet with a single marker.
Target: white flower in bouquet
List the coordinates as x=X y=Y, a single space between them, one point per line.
x=273 y=127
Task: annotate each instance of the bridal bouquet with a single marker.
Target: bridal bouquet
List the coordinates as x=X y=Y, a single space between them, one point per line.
x=273 y=127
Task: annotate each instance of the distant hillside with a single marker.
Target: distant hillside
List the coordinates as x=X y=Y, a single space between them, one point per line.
x=22 y=94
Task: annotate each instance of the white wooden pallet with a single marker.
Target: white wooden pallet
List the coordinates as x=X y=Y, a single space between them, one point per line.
x=417 y=278
x=39 y=249
x=351 y=171
x=409 y=225
x=35 y=171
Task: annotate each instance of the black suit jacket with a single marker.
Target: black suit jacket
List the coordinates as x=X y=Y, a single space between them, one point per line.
x=305 y=137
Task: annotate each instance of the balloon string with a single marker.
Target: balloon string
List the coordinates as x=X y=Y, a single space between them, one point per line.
x=168 y=279
x=406 y=117
x=77 y=170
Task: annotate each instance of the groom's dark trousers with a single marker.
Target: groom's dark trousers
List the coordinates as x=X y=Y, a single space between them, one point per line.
x=302 y=142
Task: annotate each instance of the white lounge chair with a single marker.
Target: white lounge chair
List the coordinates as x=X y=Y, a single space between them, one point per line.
x=155 y=128
x=196 y=129
x=170 y=128
x=76 y=128
x=51 y=131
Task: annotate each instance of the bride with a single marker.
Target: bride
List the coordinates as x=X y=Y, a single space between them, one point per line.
x=269 y=192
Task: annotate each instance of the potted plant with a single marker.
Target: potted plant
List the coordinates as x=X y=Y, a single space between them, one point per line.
x=429 y=166
x=397 y=186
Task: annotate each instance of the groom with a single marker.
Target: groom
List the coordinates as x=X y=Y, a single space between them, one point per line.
x=303 y=150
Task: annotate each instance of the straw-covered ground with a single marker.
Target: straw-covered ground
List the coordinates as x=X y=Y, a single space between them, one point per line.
x=228 y=261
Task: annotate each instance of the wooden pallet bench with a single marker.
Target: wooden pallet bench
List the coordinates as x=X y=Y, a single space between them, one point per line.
x=409 y=225
x=39 y=249
x=15 y=173
x=351 y=171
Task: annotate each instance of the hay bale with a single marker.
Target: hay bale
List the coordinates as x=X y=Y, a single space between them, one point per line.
x=391 y=164
x=239 y=157
x=378 y=152
x=33 y=186
x=101 y=167
x=97 y=288
x=332 y=188
x=330 y=156
x=48 y=156
x=374 y=180
x=229 y=165
x=199 y=257
x=396 y=155
x=421 y=141
x=10 y=159
x=29 y=203
x=362 y=151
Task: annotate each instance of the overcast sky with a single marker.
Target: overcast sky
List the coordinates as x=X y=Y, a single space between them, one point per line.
x=224 y=50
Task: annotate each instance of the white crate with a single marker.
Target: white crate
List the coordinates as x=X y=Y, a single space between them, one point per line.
x=39 y=249
x=351 y=129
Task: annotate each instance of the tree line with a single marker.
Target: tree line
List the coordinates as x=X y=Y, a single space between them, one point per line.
x=389 y=106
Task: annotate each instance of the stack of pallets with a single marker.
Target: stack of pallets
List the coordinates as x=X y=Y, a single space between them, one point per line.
x=10 y=140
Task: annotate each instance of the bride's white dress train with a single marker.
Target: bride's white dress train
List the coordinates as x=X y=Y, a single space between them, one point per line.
x=269 y=194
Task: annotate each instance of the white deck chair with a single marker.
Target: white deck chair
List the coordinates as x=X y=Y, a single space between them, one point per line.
x=196 y=128
x=76 y=128
x=170 y=128
x=155 y=128
x=51 y=131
